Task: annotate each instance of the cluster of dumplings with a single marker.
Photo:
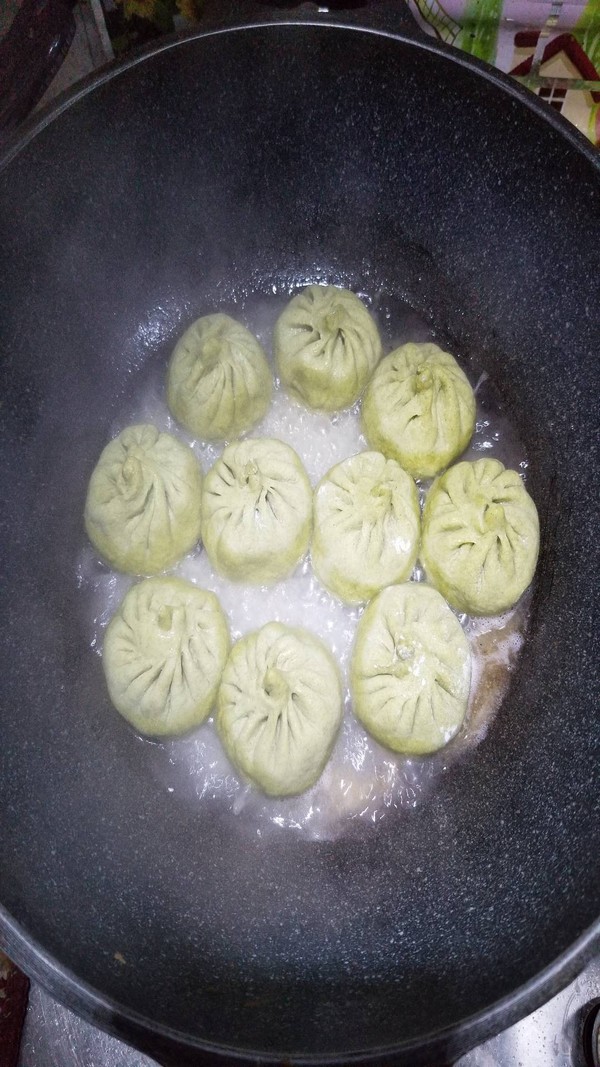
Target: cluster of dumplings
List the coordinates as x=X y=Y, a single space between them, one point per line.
x=168 y=659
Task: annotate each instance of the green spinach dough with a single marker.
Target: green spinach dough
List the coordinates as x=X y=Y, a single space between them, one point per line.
x=367 y=522
x=326 y=345
x=410 y=672
x=480 y=537
x=280 y=708
x=142 y=511
x=256 y=511
x=164 y=654
x=419 y=409
x=219 y=382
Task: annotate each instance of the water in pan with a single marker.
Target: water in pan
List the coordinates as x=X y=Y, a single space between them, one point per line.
x=362 y=781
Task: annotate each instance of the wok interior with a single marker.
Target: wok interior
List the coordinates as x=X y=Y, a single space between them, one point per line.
x=202 y=177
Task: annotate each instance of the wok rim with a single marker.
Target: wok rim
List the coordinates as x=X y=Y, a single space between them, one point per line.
x=62 y=983
x=102 y=1011
x=38 y=121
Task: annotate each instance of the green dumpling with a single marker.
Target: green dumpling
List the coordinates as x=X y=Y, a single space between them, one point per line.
x=367 y=522
x=219 y=382
x=164 y=654
x=410 y=672
x=142 y=511
x=256 y=511
x=481 y=537
x=279 y=708
x=326 y=345
x=419 y=409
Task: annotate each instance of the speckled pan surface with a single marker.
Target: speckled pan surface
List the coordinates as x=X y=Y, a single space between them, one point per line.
x=163 y=193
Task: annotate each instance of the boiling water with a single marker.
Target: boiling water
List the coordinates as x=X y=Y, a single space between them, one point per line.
x=362 y=780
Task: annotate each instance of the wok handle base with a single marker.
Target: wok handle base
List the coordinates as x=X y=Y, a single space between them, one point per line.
x=30 y=54
x=390 y=16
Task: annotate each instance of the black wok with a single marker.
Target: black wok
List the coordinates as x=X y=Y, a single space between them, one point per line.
x=213 y=168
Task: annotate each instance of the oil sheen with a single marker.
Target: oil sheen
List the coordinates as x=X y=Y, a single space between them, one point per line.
x=362 y=782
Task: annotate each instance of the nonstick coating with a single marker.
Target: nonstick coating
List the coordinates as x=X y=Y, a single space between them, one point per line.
x=214 y=169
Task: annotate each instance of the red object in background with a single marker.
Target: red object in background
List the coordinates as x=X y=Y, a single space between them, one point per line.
x=14 y=988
